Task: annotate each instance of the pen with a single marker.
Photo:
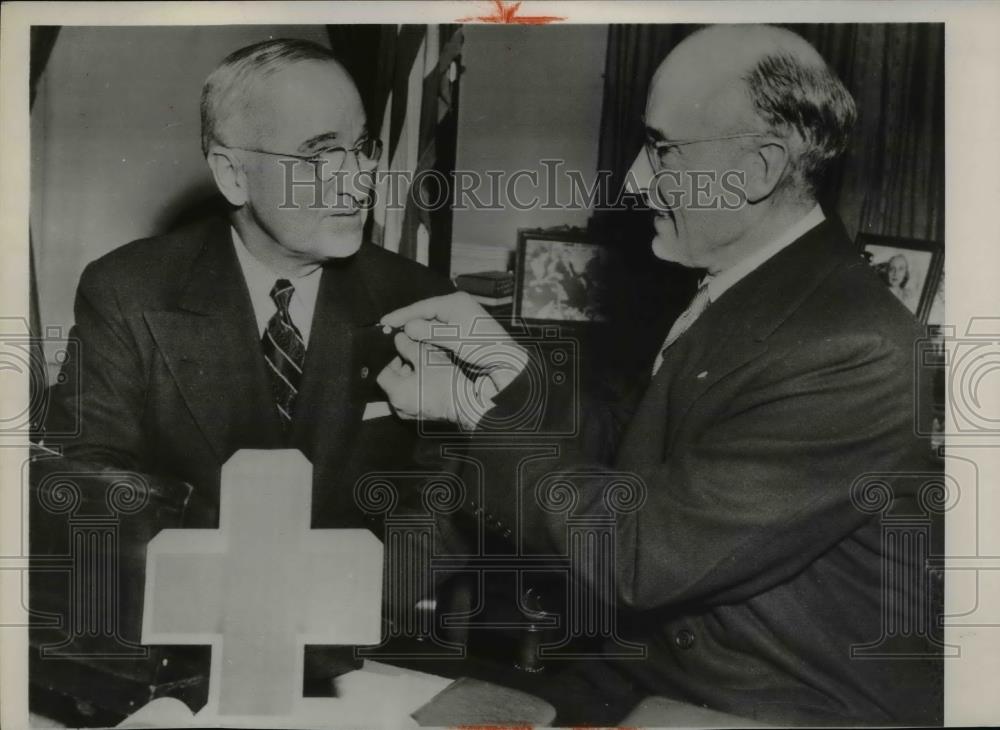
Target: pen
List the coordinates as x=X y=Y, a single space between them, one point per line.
x=386 y=329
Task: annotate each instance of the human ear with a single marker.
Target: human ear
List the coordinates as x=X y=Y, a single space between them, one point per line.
x=766 y=166
x=229 y=175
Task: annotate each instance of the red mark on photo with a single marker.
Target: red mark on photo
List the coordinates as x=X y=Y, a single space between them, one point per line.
x=507 y=13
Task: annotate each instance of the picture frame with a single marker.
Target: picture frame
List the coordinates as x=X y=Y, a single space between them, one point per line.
x=935 y=306
x=909 y=268
x=558 y=277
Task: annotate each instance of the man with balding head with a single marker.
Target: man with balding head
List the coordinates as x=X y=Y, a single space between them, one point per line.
x=757 y=102
x=749 y=573
x=251 y=330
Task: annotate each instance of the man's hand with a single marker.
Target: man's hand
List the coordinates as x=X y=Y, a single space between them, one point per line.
x=425 y=383
x=457 y=323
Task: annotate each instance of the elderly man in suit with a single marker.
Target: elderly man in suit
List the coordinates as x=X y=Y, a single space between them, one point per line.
x=748 y=573
x=251 y=331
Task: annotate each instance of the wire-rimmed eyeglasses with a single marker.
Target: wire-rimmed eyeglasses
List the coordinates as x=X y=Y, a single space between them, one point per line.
x=657 y=150
x=328 y=162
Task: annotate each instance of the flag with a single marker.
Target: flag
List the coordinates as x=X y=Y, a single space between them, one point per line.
x=416 y=102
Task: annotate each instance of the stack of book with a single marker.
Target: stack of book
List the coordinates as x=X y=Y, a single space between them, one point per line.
x=468 y=257
x=493 y=289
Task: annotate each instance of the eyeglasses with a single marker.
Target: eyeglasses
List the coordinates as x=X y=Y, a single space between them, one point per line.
x=328 y=162
x=658 y=151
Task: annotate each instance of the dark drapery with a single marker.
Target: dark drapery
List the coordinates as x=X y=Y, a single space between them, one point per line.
x=634 y=52
x=891 y=181
x=892 y=177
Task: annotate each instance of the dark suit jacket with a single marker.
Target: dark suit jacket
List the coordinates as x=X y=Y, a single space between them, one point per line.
x=748 y=572
x=170 y=381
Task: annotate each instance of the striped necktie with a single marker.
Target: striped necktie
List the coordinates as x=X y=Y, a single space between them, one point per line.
x=285 y=352
x=698 y=305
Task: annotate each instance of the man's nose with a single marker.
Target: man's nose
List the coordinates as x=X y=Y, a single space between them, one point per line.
x=354 y=178
x=640 y=175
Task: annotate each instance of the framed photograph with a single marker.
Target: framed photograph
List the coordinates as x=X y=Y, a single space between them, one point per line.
x=559 y=277
x=906 y=266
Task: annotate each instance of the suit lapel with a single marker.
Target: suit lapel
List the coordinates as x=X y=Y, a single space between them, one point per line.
x=211 y=345
x=733 y=331
x=339 y=374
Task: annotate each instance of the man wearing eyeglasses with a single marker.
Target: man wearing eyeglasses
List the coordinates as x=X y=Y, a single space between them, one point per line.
x=752 y=571
x=254 y=330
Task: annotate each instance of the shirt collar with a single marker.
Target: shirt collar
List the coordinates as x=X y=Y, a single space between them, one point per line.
x=260 y=279
x=259 y=276
x=718 y=283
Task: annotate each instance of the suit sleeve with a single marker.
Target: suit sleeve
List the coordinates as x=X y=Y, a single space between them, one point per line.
x=751 y=500
x=101 y=393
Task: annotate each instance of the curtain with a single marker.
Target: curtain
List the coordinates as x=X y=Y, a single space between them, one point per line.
x=891 y=181
x=409 y=80
x=634 y=52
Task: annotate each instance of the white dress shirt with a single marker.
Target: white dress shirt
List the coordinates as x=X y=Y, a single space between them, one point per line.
x=260 y=280
x=718 y=283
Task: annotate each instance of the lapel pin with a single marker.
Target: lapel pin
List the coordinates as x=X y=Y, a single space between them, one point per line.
x=702 y=375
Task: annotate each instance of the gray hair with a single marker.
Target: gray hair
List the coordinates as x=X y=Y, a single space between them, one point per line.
x=806 y=103
x=228 y=90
